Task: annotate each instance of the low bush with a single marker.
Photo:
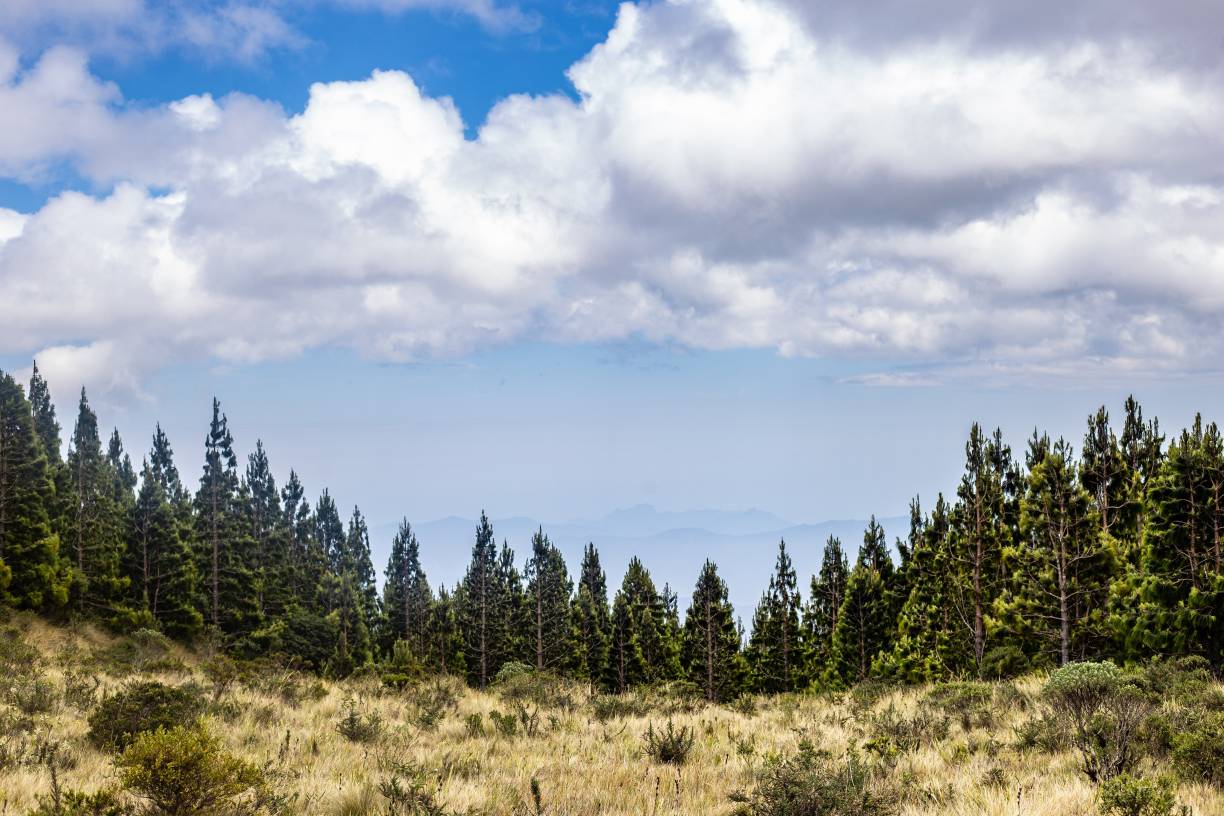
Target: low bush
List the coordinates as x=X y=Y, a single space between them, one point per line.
x=606 y=707
x=1127 y=795
x=1046 y=733
x=905 y=734
x=18 y=659
x=34 y=695
x=1103 y=714
x=517 y=682
x=357 y=726
x=185 y=771
x=1198 y=749
x=812 y=783
x=969 y=703
x=670 y=745
x=106 y=802
x=139 y=708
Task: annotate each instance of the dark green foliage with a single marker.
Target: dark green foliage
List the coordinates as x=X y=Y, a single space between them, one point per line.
x=641 y=649
x=356 y=725
x=105 y=802
x=812 y=783
x=42 y=410
x=30 y=573
x=486 y=604
x=1198 y=748
x=710 y=650
x=668 y=745
x=1127 y=795
x=592 y=619
x=268 y=536
x=407 y=597
x=157 y=563
x=1171 y=607
x=92 y=527
x=774 y=651
x=865 y=622
x=550 y=637
x=1054 y=606
x=828 y=590
x=139 y=708
x=229 y=602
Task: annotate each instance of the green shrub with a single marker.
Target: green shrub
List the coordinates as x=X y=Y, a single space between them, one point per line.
x=1198 y=750
x=1046 y=733
x=139 y=708
x=106 y=802
x=542 y=689
x=221 y=672
x=185 y=771
x=18 y=659
x=1127 y=795
x=81 y=690
x=606 y=707
x=906 y=734
x=812 y=783
x=969 y=703
x=474 y=725
x=356 y=726
x=671 y=745
x=403 y=668
x=34 y=695
x=505 y=724
x=407 y=794
x=1103 y=714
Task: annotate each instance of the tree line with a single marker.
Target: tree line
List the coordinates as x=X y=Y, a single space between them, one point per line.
x=1112 y=553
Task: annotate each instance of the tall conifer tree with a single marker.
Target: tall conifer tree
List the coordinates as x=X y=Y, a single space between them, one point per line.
x=828 y=590
x=93 y=522
x=774 y=653
x=407 y=599
x=548 y=594
x=31 y=576
x=710 y=652
x=592 y=618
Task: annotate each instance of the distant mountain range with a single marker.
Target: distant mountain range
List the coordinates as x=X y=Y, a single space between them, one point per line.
x=672 y=545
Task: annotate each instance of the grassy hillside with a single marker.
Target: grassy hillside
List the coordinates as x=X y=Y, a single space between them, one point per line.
x=532 y=745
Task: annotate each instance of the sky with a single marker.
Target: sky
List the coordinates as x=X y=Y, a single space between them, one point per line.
x=555 y=258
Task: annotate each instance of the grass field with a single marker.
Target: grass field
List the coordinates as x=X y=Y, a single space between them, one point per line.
x=543 y=747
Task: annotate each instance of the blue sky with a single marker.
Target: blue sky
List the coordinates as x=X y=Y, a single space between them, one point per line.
x=555 y=258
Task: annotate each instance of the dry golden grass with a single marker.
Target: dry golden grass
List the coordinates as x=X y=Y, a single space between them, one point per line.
x=583 y=767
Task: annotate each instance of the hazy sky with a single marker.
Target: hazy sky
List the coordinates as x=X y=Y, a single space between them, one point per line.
x=553 y=258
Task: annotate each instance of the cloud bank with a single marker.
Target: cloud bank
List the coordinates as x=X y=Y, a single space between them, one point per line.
x=974 y=192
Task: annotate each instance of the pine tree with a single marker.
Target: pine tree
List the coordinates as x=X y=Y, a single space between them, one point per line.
x=1142 y=446
x=774 y=654
x=648 y=624
x=158 y=563
x=407 y=598
x=672 y=635
x=710 y=652
x=929 y=636
x=1180 y=589
x=45 y=425
x=93 y=523
x=360 y=565
x=982 y=524
x=518 y=643
x=549 y=590
x=1060 y=568
x=329 y=532
x=828 y=590
x=446 y=650
x=307 y=559
x=123 y=475
x=228 y=601
x=353 y=647
x=865 y=622
x=1103 y=473
x=626 y=665
x=592 y=620
x=269 y=535
x=30 y=572
x=484 y=609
